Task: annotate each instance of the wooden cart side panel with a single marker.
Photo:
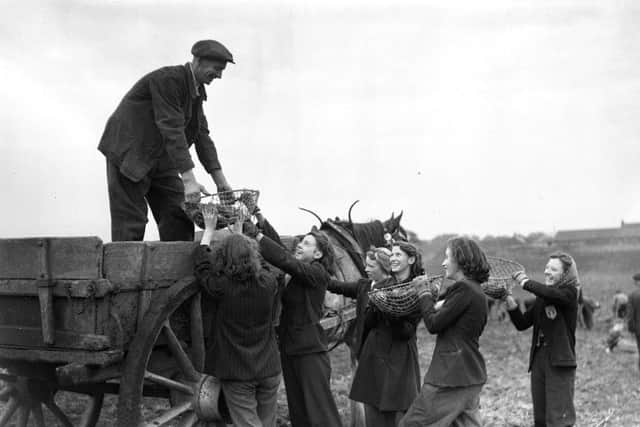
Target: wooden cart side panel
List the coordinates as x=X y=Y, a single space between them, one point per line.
x=122 y=263
x=138 y=271
x=66 y=257
x=169 y=260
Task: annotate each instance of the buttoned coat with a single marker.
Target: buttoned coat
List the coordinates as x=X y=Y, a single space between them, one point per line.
x=299 y=331
x=388 y=373
x=558 y=324
x=457 y=361
x=161 y=115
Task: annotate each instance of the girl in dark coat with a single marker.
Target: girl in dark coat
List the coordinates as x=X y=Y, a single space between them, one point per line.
x=552 y=359
x=242 y=351
x=306 y=367
x=451 y=390
x=388 y=375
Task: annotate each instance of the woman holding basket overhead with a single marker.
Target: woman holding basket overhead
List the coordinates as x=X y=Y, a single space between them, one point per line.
x=388 y=375
x=306 y=367
x=451 y=391
x=242 y=350
x=552 y=359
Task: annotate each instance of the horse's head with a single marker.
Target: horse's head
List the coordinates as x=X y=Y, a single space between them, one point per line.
x=393 y=227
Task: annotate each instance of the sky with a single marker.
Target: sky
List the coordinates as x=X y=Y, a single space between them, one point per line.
x=485 y=118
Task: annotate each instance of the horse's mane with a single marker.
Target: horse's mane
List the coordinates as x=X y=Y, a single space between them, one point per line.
x=369 y=234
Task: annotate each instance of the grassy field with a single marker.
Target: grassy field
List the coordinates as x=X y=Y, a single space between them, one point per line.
x=607 y=385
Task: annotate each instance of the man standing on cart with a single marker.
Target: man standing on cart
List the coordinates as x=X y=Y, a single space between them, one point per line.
x=146 y=143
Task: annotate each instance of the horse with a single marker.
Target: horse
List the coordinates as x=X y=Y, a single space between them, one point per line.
x=350 y=242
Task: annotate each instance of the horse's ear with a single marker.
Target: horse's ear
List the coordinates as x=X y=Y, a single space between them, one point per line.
x=392 y=214
x=399 y=217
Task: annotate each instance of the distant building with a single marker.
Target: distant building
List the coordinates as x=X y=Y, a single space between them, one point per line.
x=626 y=231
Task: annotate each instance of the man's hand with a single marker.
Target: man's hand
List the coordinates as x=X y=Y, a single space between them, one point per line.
x=192 y=188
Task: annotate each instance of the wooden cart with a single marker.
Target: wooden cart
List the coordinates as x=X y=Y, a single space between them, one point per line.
x=122 y=318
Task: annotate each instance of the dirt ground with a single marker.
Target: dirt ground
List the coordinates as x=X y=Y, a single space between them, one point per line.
x=607 y=384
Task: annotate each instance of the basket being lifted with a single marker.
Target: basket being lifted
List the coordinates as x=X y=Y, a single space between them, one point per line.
x=402 y=299
x=228 y=204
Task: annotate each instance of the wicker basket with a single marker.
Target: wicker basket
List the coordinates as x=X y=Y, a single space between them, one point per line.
x=402 y=299
x=500 y=280
x=228 y=205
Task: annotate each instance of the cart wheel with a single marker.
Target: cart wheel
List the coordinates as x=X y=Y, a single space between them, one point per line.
x=160 y=363
x=33 y=398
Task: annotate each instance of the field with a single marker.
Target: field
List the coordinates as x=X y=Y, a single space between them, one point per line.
x=607 y=385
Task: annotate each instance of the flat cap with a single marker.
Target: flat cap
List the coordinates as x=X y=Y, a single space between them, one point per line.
x=211 y=49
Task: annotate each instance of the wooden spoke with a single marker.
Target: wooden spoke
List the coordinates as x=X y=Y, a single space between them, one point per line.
x=197 y=334
x=11 y=407
x=37 y=415
x=55 y=409
x=169 y=383
x=184 y=363
x=92 y=413
x=171 y=414
x=23 y=416
x=190 y=420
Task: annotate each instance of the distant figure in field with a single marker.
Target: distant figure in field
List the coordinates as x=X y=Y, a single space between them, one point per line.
x=634 y=312
x=552 y=359
x=619 y=305
x=619 y=310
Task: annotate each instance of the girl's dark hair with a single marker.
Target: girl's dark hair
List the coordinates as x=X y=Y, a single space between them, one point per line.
x=237 y=258
x=416 y=268
x=470 y=258
x=324 y=246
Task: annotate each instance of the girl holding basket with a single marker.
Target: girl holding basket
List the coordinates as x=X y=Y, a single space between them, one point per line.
x=451 y=390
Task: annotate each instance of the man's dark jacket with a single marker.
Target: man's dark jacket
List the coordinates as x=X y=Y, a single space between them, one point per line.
x=300 y=331
x=161 y=114
x=559 y=331
x=457 y=361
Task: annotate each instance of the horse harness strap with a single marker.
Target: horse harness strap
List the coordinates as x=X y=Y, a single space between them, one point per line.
x=350 y=244
x=345 y=235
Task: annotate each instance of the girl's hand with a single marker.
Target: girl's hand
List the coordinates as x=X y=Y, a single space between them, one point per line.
x=243 y=215
x=423 y=287
x=511 y=303
x=210 y=216
x=520 y=277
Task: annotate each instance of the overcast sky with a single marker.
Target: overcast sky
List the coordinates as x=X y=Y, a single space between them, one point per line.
x=476 y=117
